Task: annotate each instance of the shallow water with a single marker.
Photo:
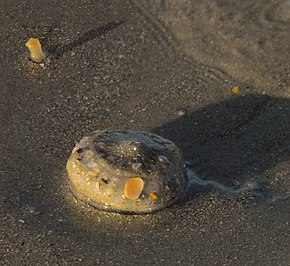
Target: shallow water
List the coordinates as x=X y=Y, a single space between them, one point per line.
x=164 y=57
x=253 y=188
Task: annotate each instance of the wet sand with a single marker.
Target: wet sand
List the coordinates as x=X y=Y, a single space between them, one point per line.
x=126 y=65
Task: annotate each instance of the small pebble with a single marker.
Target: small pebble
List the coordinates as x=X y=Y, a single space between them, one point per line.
x=181 y=112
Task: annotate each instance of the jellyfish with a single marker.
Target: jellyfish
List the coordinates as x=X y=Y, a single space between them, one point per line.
x=126 y=171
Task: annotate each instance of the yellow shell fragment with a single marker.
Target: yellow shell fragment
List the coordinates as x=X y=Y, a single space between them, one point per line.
x=235 y=90
x=133 y=188
x=153 y=196
x=36 y=53
x=97 y=186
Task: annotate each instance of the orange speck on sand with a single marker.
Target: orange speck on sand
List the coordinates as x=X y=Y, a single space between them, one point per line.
x=133 y=188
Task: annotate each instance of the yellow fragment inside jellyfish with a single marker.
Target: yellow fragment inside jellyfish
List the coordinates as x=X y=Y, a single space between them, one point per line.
x=36 y=53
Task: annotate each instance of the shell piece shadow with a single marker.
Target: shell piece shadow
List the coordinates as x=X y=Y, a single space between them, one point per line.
x=58 y=50
x=233 y=141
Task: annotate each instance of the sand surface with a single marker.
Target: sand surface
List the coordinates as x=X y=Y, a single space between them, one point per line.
x=161 y=66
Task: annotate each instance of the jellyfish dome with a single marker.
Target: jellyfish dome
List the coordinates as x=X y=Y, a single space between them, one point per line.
x=126 y=171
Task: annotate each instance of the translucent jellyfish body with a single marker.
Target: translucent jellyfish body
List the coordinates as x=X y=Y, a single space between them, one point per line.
x=126 y=171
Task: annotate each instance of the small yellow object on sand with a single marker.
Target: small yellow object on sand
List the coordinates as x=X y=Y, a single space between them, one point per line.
x=235 y=90
x=36 y=53
x=133 y=188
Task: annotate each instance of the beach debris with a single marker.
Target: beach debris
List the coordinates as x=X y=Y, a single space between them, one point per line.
x=235 y=90
x=36 y=53
x=181 y=112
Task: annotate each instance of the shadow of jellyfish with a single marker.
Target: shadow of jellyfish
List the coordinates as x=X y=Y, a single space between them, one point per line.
x=229 y=143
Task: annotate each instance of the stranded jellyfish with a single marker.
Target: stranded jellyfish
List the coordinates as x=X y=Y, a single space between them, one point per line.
x=127 y=171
